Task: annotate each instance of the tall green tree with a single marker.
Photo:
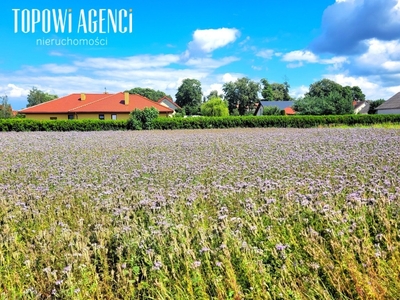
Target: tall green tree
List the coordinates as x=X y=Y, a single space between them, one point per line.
x=215 y=107
x=241 y=94
x=214 y=94
x=149 y=93
x=189 y=95
x=323 y=88
x=332 y=104
x=266 y=91
x=357 y=93
x=36 y=97
x=275 y=91
x=5 y=108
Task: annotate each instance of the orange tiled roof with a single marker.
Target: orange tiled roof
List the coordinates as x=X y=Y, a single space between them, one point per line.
x=289 y=111
x=113 y=103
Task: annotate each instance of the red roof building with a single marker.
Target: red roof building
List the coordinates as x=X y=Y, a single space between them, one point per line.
x=92 y=106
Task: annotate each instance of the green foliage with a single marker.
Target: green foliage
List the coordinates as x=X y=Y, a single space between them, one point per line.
x=374 y=104
x=332 y=104
x=215 y=107
x=266 y=91
x=273 y=121
x=357 y=94
x=189 y=93
x=192 y=110
x=325 y=87
x=149 y=93
x=297 y=121
x=19 y=124
x=36 y=97
x=272 y=111
x=142 y=119
x=5 y=108
x=214 y=94
x=241 y=94
x=275 y=91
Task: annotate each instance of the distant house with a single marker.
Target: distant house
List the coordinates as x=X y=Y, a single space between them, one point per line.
x=168 y=102
x=391 y=106
x=92 y=106
x=361 y=107
x=282 y=105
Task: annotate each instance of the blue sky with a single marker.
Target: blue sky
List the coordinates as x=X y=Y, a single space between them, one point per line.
x=353 y=42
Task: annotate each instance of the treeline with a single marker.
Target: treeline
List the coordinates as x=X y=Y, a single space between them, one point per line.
x=195 y=123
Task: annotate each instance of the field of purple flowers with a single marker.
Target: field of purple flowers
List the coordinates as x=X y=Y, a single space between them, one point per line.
x=207 y=214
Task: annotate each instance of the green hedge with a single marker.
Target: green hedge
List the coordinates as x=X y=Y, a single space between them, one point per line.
x=199 y=122
x=272 y=121
x=60 y=125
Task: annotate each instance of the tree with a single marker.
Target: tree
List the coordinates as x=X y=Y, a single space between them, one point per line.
x=189 y=95
x=215 y=107
x=36 y=97
x=358 y=95
x=5 y=108
x=241 y=95
x=148 y=93
x=332 y=104
x=214 y=94
x=266 y=91
x=323 y=88
x=374 y=104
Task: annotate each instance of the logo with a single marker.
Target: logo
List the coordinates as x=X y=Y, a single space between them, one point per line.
x=99 y=21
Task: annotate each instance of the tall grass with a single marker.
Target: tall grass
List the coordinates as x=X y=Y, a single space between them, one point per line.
x=224 y=214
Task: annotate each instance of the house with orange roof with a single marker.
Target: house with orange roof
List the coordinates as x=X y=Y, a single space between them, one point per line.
x=93 y=106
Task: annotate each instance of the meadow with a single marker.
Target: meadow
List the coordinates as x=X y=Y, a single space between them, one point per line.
x=201 y=214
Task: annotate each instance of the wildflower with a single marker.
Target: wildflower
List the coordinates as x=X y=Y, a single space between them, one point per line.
x=196 y=264
x=218 y=264
x=157 y=265
x=280 y=247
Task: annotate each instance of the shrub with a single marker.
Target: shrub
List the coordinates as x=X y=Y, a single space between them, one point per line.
x=142 y=119
x=215 y=107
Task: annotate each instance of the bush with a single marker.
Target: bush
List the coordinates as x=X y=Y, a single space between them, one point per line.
x=142 y=119
x=215 y=107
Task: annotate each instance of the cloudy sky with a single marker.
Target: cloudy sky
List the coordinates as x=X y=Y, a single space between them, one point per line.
x=353 y=42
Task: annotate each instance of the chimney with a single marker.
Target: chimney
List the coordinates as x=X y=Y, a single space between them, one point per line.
x=83 y=97
x=126 y=98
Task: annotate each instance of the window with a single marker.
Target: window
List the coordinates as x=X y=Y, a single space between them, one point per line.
x=53 y=118
x=113 y=117
x=101 y=117
x=70 y=117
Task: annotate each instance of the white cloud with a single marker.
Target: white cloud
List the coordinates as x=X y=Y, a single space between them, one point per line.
x=371 y=86
x=299 y=91
x=227 y=77
x=299 y=57
x=381 y=57
x=208 y=40
x=129 y=63
x=267 y=53
x=12 y=90
x=209 y=63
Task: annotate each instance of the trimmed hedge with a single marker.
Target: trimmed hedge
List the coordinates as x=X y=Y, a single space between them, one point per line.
x=272 y=121
x=60 y=125
x=199 y=122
